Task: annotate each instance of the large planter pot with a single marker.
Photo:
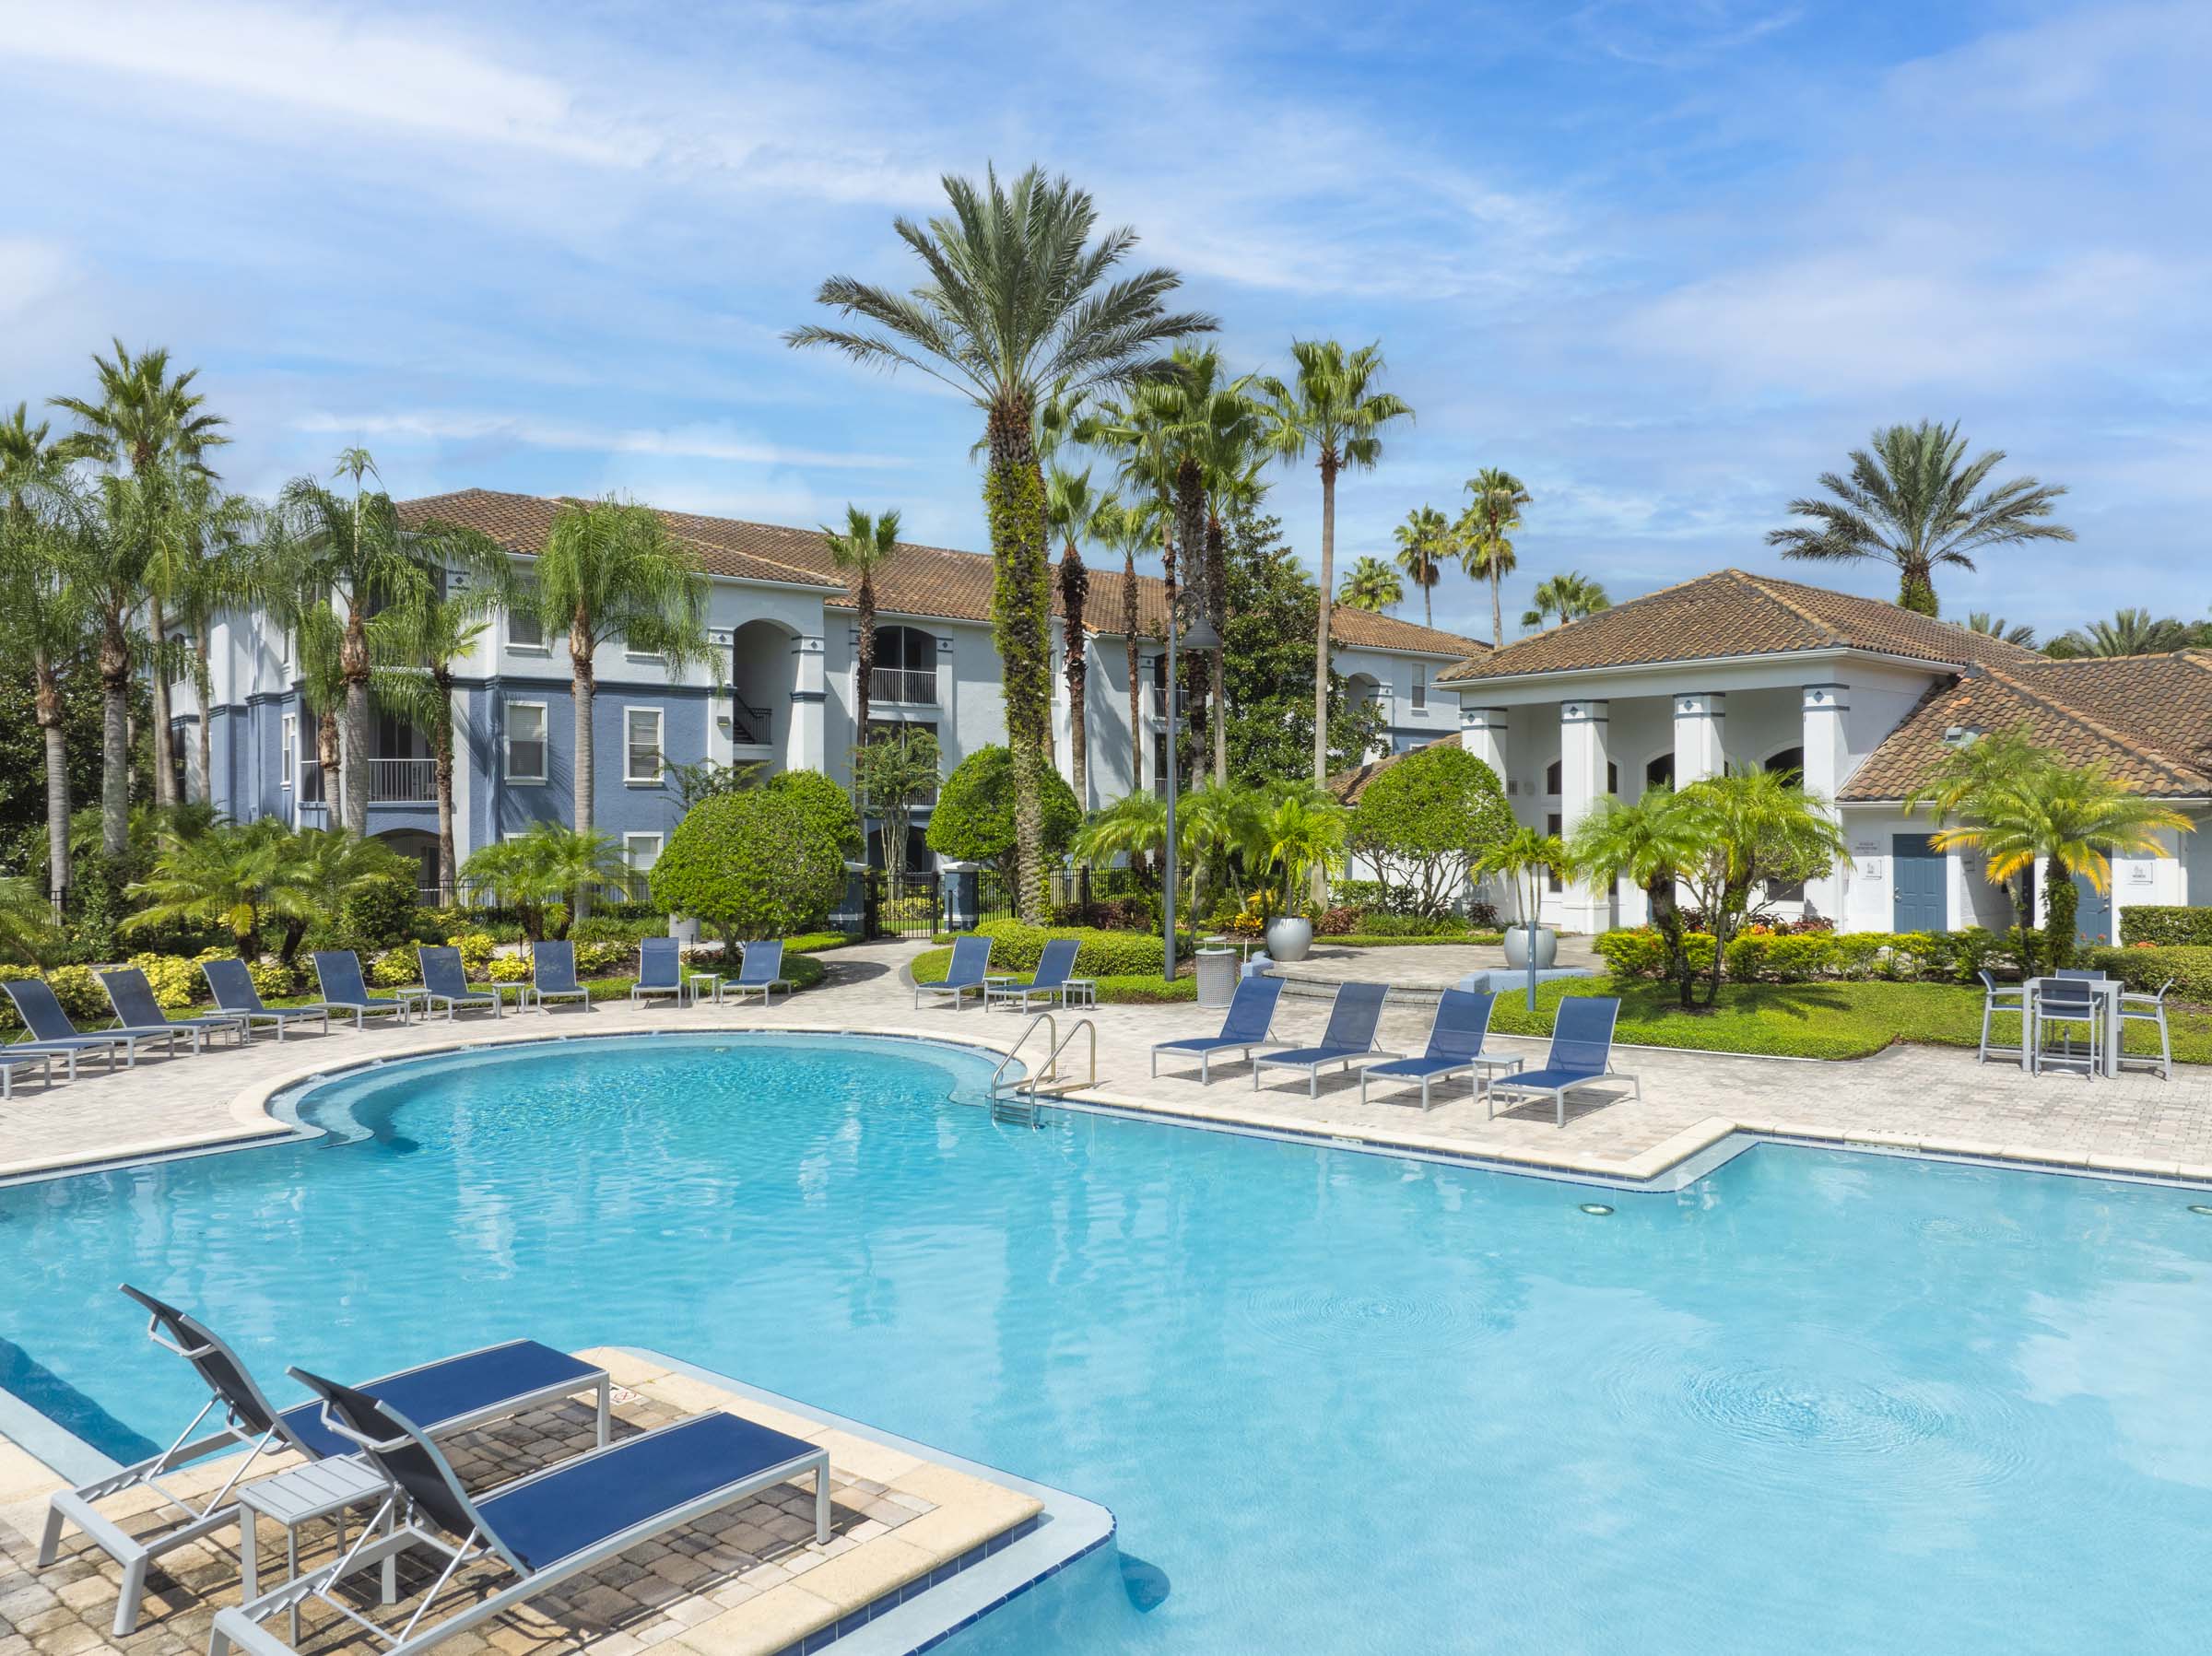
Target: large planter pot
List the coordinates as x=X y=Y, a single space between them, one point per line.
x=1289 y=938
x=1516 y=947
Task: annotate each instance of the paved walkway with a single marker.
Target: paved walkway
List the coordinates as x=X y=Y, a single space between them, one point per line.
x=1922 y=1096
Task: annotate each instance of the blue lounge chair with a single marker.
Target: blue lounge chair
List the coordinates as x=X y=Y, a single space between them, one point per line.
x=553 y=975
x=1455 y=1047
x=762 y=974
x=1251 y=1012
x=968 y=969
x=50 y=1030
x=660 y=970
x=235 y=993
x=338 y=975
x=1348 y=1038
x=1055 y=964
x=445 y=979
x=136 y=1007
x=452 y=1395
x=544 y=1527
x=1580 y=1055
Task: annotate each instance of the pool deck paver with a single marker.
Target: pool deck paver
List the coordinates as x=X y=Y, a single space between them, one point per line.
x=1920 y=1098
x=745 y=1581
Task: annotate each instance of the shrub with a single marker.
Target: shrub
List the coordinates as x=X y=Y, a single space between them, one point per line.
x=1339 y=922
x=176 y=982
x=1131 y=914
x=394 y=969
x=973 y=819
x=380 y=910
x=75 y=986
x=758 y=863
x=603 y=957
x=1425 y=819
x=508 y=968
x=825 y=805
x=476 y=950
x=605 y=928
x=1413 y=925
x=2144 y=966
x=1015 y=946
x=1641 y=952
x=2162 y=924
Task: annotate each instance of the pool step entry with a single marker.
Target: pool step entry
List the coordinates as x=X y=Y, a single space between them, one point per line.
x=1017 y=1101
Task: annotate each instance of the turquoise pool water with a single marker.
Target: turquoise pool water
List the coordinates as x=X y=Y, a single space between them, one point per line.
x=1341 y=1401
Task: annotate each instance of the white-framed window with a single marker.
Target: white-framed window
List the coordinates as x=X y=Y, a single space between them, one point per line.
x=525 y=629
x=1420 y=689
x=287 y=763
x=525 y=740
x=642 y=745
x=636 y=654
x=284 y=647
x=641 y=850
x=180 y=655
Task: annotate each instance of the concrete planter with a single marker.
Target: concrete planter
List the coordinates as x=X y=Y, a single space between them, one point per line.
x=1516 y=947
x=1289 y=938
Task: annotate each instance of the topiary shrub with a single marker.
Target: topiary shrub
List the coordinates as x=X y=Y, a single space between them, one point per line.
x=380 y=910
x=757 y=863
x=825 y=804
x=973 y=819
x=1425 y=819
x=2166 y=924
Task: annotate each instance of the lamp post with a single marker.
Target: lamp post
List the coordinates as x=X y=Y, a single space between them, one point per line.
x=1187 y=618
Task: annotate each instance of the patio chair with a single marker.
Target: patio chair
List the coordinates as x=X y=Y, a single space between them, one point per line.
x=1055 y=964
x=1580 y=1055
x=2060 y=1002
x=445 y=979
x=1348 y=1037
x=135 y=1008
x=2136 y=1007
x=452 y=1395
x=968 y=969
x=762 y=974
x=1454 y=1048
x=1244 y=1026
x=51 y=1032
x=660 y=970
x=553 y=975
x=543 y=1528
x=338 y=975
x=1994 y=1001
x=235 y=993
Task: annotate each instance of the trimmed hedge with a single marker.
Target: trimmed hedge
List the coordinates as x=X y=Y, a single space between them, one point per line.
x=1808 y=957
x=1136 y=988
x=1015 y=946
x=2162 y=924
x=2144 y=968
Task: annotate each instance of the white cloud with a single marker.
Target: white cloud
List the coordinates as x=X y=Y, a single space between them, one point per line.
x=689 y=443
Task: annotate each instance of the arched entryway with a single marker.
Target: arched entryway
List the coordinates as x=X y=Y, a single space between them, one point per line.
x=763 y=671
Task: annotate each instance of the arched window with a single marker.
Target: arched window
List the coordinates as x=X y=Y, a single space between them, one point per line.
x=1789 y=764
x=906 y=667
x=1660 y=772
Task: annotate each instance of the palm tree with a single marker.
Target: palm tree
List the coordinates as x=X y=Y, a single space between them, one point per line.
x=1650 y=841
x=1017 y=299
x=610 y=570
x=1073 y=508
x=1756 y=825
x=317 y=870
x=1910 y=500
x=154 y=428
x=110 y=542
x=1214 y=823
x=1372 y=585
x=547 y=866
x=1332 y=409
x=859 y=553
x=1219 y=435
x=1300 y=838
x=354 y=549
x=2129 y=632
x=1424 y=539
x=26 y=922
x=417 y=645
x=44 y=616
x=1973 y=780
x=1997 y=626
x=1570 y=595
x=223 y=875
x=1134 y=826
x=1485 y=551
x=1128 y=530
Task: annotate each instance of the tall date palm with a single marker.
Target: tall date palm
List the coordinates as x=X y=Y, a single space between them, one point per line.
x=859 y=552
x=44 y=616
x=1017 y=298
x=1485 y=551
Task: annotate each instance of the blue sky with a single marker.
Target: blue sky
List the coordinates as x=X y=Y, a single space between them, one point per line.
x=1666 y=261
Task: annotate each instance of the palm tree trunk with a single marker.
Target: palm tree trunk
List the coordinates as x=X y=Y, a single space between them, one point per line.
x=1021 y=620
x=1217 y=604
x=1074 y=588
x=327 y=758
x=1320 y=630
x=1496 y=609
x=1427 y=604
x=1137 y=694
x=57 y=779
x=165 y=769
x=114 y=741
x=354 y=758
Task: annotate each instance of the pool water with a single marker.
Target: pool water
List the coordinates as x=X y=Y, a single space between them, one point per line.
x=1337 y=1400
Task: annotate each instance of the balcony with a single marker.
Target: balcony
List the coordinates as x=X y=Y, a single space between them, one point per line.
x=391 y=782
x=908 y=686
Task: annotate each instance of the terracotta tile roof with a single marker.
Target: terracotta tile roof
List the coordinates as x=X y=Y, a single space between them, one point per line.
x=2148 y=719
x=920 y=581
x=1349 y=785
x=1735 y=612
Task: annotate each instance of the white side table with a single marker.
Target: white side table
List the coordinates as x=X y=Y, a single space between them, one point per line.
x=1079 y=992
x=713 y=986
x=296 y=1498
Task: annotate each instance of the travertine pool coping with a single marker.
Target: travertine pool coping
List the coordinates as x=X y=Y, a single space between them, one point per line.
x=924 y=1543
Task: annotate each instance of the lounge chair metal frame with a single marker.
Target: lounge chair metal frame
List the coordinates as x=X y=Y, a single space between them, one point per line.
x=1447 y=1055
x=955 y=985
x=748 y=981
x=457 y=994
x=366 y=1003
x=35 y=1000
x=567 y=989
x=24 y=1053
x=1229 y=1040
x=1326 y=1051
x=245 y=1002
x=239 y=1428
x=142 y=1008
x=400 y=1524
x=659 y=948
x=1557 y=1078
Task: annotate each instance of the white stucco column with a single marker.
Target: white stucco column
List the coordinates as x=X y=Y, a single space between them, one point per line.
x=1698 y=750
x=809 y=700
x=1826 y=763
x=1582 y=761
x=1482 y=733
x=721 y=737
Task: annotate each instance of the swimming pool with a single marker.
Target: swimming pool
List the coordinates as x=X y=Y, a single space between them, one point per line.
x=1341 y=1401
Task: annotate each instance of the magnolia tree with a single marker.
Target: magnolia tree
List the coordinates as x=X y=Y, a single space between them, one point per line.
x=758 y=863
x=974 y=820
x=1425 y=822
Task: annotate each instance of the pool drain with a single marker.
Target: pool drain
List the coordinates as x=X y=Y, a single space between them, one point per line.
x=1596 y=1210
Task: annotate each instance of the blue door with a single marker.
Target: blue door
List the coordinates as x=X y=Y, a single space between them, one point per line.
x=1916 y=885
x=2092 y=913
